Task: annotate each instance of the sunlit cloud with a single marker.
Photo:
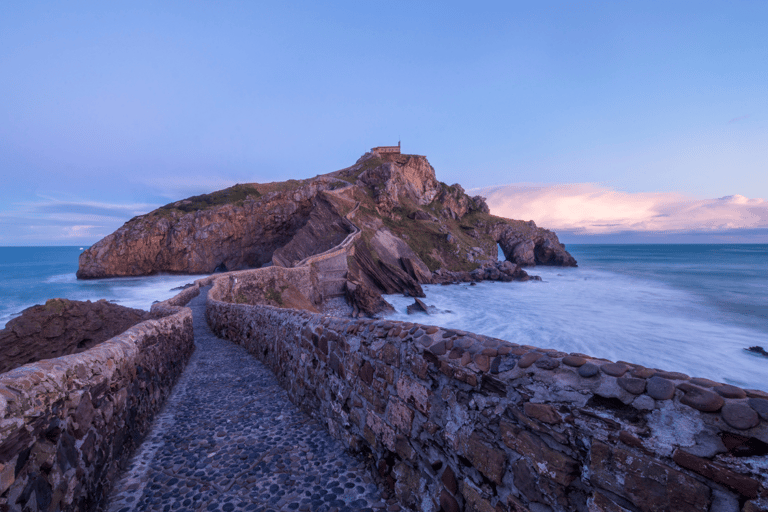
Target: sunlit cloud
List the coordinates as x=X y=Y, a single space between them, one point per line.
x=592 y=209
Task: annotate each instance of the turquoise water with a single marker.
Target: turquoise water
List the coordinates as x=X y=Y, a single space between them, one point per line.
x=31 y=275
x=689 y=308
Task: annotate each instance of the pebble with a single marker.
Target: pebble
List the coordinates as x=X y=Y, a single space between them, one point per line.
x=614 y=369
x=589 y=370
x=575 y=361
x=660 y=388
x=700 y=398
x=728 y=391
x=740 y=416
x=760 y=405
x=230 y=440
x=528 y=359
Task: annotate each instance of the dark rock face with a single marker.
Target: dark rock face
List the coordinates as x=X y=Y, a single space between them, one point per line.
x=411 y=225
x=61 y=327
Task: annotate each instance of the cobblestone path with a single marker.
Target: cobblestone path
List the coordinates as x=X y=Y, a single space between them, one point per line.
x=229 y=439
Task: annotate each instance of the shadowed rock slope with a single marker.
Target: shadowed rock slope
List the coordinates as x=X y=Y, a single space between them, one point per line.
x=411 y=226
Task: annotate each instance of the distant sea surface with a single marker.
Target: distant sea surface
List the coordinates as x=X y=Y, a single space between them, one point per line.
x=688 y=308
x=32 y=275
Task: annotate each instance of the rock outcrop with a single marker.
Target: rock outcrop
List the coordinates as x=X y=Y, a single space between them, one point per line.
x=410 y=225
x=61 y=327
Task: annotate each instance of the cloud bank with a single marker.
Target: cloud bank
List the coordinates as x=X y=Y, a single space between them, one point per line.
x=589 y=209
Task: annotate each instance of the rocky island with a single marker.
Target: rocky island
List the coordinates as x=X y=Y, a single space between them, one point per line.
x=444 y=420
x=408 y=229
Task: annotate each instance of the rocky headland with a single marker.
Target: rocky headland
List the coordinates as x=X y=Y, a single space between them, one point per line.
x=61 y=327
x=405 y=227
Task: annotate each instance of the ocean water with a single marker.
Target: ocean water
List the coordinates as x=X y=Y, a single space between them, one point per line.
x=688 y=308
x=32 y=275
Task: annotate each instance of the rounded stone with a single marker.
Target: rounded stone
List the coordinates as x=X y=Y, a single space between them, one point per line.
x=575 y=361
x=672 y=375
x=729 y=391
x=760 y=405
x=589 y=370
x=659 y=388
x=700 y=399
x=614 y=369
x=547 y=363
x=740 y=416
x=705 y=383
x=632 y=384
x=642 y=373
x=529 y=358
x=432 y=330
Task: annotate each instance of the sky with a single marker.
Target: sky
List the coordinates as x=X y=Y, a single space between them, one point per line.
x=608 y=121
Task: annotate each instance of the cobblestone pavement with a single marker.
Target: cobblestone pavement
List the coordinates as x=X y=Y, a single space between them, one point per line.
x=229 y=439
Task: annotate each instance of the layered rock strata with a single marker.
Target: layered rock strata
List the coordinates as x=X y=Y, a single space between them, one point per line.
x=61 y=327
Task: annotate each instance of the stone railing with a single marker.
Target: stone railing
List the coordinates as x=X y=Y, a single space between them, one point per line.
x=457 y=421
x=68 y=424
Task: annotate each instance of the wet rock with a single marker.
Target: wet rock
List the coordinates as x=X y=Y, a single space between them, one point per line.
x=728 y=391
x=589 y=370
x=660 y=388
x=574 y=361
x=740 y=416
x=631 y=384
x=700 y=399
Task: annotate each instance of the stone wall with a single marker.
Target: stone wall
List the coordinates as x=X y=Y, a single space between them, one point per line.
x=68 y=424
x=457 y=421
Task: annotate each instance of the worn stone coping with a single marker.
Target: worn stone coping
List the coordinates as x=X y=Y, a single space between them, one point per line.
x=474 y=358
x=51 y=377
x=34 y=386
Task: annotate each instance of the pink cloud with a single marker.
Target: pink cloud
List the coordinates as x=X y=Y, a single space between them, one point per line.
x=591 y=209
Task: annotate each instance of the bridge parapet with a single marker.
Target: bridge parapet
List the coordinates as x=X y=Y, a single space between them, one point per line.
x=459 y=421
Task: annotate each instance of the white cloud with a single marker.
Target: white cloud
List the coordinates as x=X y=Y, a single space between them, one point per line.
x=592 y=209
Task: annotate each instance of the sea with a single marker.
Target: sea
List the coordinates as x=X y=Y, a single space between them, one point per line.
x=32 y=275
x=688 y=308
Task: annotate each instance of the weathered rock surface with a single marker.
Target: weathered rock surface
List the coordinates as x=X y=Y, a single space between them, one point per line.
x=61 y=327
x=412 y=223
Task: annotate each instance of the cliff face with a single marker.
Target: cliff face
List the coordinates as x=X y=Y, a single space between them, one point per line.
x=411 y=226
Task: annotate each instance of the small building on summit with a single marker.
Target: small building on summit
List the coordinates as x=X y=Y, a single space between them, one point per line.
x=387 y=149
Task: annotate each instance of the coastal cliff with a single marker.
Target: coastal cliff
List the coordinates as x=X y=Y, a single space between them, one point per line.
x=412 y=227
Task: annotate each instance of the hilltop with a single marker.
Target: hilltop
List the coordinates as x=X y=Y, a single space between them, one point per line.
x=413 y=229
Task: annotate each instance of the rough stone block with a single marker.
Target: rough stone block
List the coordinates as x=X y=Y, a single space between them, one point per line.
x=488 y=459
x=382 y=431
x=542 y=412
x=449 y=480
x=742 y=484
x=647 y=483
x=415 y=393
x=475 y=502
x=548 y=462
x=399 y=415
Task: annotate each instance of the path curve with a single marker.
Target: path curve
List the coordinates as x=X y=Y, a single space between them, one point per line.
x=229 y=439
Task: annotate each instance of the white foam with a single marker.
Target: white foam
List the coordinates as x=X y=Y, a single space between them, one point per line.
x=602 y=314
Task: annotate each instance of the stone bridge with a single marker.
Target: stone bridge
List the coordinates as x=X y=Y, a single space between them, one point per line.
x=360 y=414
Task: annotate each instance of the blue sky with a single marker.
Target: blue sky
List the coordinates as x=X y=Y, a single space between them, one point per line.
x=110 y=109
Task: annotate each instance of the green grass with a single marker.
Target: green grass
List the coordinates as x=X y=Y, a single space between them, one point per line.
x=232 y=195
